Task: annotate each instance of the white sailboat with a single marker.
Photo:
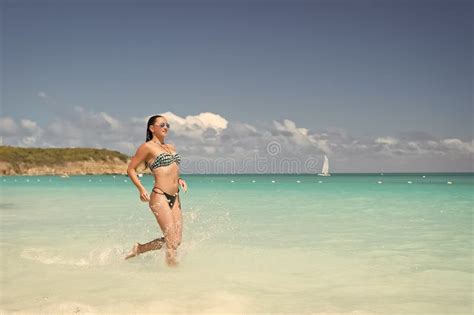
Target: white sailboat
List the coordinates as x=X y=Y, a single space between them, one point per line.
x=325 y=169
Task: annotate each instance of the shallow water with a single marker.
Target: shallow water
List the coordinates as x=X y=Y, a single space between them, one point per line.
x=344 y=244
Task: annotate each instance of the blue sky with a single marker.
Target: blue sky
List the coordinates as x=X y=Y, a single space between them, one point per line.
x=365 y=69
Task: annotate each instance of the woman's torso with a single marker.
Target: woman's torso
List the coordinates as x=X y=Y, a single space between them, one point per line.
x=164 y=165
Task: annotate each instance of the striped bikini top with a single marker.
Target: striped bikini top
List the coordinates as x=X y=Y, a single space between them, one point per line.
x=165 y=159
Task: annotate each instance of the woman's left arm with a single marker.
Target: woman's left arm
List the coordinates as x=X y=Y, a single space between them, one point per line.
x=183 y=184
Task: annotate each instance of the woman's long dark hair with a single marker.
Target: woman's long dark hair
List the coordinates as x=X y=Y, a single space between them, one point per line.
x=149 y=134
x=150 y=122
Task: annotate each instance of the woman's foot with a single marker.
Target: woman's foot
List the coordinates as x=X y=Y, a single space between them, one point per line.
x=171 y=259
x=134 y=252
x=172 y=262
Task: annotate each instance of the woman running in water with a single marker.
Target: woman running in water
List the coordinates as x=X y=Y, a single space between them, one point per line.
x=164 y=201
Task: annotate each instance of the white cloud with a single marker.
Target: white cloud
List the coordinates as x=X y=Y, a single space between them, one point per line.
x=8 y=126
x=386 y=140
x=29 y=125
x=209 y=137
x=290 y=126
x=457 y=144
x=175 y=119
x=432 y=144
x=114 y=123
x=196 y=126
x=24 y=133
x=28 y=141
x=296 y=138
x=208 y=120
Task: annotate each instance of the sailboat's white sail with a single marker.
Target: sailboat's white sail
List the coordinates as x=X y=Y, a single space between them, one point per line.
x=325 y=169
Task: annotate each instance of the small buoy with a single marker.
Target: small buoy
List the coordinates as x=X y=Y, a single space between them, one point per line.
x=90 y=180
x=114 y=176
x=410 y=182
x=253 y=181
x=320 y=182
x=27 y=179
x=379 y=182
x=381 y=174
x=424 y=176
x=232 y=181
x=273 y=181
x=298 y=181
x=450 y=183
x=125 y=180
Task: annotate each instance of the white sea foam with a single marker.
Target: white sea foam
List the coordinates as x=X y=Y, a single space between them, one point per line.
x=95 y=257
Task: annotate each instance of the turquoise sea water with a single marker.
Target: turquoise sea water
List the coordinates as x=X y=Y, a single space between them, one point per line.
x=298 y=244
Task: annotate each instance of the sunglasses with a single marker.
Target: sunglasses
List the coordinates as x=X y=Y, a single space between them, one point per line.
x=162 y=125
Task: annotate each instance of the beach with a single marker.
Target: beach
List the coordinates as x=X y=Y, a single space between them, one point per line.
x=252 y=244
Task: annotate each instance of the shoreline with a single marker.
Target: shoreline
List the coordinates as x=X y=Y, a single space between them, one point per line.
x=146 y=172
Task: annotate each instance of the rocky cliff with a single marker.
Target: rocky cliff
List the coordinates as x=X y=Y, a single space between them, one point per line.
x=70 y=161
x=69 y=168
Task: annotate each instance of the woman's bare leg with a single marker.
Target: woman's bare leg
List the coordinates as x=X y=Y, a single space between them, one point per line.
x=151 y=245
x=143 y=248
x=164 y=217
x=178 y=219
x=170 y=222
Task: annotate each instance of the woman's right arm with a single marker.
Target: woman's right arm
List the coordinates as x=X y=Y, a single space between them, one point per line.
x=137 y=160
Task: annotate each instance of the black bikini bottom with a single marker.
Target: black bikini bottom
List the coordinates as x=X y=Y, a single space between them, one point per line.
x=170 y=198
